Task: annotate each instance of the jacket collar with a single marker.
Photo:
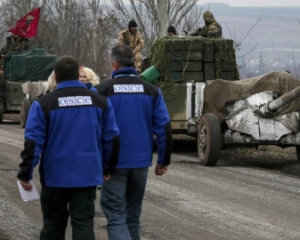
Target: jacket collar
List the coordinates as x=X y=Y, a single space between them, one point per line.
x=127 y=71
x=70 y=83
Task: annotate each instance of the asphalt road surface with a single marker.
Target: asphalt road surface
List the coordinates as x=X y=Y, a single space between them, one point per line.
x=250 y=194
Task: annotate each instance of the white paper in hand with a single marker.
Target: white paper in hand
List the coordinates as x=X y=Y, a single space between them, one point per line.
x=26 y=195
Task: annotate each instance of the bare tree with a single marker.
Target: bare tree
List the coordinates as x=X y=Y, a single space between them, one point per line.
x=82 y=29
x=147 y=14
x=238 y=42
x=13 y=10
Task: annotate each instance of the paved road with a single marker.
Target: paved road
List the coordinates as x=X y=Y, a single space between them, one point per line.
x=249 y=195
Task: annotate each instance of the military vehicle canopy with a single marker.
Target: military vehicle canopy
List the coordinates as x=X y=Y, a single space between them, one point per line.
x=194 y=59
x=32 y=65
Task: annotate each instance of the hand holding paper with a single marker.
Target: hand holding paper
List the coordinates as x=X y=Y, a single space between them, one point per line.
x=26 y=186
x=28 y=191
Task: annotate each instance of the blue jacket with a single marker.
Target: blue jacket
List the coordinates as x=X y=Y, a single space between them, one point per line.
x=73 y=134
x=140 y=113
x=90 y=86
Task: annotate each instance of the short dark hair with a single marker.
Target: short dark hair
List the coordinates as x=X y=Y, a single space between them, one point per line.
x=66 y=68
x=123 y=55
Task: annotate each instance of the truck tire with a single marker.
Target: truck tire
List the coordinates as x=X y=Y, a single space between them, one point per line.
x=209 y=139
x=1 y=110
x=298 y=152
x=25 y=106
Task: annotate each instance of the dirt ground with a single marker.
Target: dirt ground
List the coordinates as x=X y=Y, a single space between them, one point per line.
x=251 y=194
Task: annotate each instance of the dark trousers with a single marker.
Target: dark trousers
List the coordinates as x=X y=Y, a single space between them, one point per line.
x=58 y=203
x=121 y=201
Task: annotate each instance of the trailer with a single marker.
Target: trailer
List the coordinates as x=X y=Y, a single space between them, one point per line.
x=205 y=98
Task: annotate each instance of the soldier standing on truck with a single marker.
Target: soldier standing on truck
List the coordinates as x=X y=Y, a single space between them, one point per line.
x=133 y=38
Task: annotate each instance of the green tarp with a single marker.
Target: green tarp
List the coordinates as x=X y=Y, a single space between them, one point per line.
x=32 y=65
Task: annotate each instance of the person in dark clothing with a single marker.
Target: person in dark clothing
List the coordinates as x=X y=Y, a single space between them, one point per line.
x=140 y=112
x=72 y=132
x=171 y=31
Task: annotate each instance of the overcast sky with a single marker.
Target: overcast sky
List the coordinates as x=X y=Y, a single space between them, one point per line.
x=259 y=3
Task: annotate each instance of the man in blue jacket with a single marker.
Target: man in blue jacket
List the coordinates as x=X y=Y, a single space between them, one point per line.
x=140 y=113
x=73 y=134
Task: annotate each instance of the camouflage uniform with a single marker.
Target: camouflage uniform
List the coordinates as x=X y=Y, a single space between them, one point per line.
x=18 y=46
x=136 y=42
x=12 y=46
x=212 y=28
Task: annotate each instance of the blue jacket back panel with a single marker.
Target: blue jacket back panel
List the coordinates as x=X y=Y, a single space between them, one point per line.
x=140 y=113
x=72 y=131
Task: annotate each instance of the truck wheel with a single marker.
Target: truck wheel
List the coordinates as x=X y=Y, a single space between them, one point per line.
x=209 y=139
x=298 y=152
x=1 y=110
x=25 y=106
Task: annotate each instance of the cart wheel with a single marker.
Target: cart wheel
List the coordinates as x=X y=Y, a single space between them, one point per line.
x=209 y=139
x=298 y=152
x=25 y=106
x=1 y=110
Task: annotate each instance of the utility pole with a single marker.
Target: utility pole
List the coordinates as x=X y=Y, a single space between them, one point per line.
x=261 y=65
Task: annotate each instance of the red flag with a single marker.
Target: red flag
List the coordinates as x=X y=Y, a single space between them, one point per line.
x=27 y=26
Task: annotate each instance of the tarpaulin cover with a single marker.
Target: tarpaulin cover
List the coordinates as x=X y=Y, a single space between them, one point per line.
x=220 y=92
x=32 y=65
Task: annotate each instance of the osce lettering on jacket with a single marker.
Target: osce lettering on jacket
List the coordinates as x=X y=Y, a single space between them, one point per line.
x=74 y=101
x=129 y=88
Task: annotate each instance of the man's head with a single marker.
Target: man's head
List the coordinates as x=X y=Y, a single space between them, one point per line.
x=66 y=68
x=122 y=56
x=132 y=26
x=208 y=17
x=171 y=31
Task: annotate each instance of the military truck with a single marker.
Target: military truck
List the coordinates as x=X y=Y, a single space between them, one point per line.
x=19 y=67
x=194 y=74
x=185 y=65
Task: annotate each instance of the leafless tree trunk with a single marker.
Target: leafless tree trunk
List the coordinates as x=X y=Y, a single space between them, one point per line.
x=148 y=14
x=163 y=8
x=94 y=5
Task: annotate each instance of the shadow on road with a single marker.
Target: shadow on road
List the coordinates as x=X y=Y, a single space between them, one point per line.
x=186 y=146
x=271 y=158
x=8 y=122
x=265 y=157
